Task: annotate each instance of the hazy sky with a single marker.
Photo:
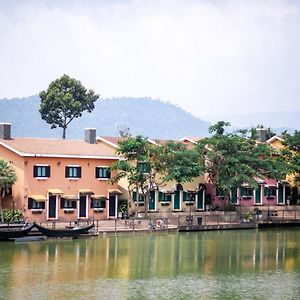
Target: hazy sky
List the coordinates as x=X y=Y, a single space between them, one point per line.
x=208 y=57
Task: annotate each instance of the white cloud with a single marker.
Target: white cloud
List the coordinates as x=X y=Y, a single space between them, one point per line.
x=206 y=56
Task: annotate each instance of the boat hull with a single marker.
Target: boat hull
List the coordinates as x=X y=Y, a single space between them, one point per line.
x=63 y=232
x=10 y=233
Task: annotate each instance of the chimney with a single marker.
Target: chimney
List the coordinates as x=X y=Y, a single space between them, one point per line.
x=90 y=135
x=261 y=135
x=5 y=131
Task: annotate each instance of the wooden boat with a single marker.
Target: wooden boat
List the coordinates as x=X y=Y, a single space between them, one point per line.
x=72 y=232
x=8 y=233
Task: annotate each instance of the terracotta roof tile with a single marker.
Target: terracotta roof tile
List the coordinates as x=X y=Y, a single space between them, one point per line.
x=43 y=146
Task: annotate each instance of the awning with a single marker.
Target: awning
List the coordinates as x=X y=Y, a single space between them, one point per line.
x=259 y=180
x=38 y=198
x=55 y=191
x=167 y=192
x=85 y=191
x=270 y=186
x=99 y=197
x=246 y=185
x=285 y=182
x=70 y=197
x=115 y=192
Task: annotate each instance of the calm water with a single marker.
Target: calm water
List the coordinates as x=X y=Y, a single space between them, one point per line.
x=209 y=265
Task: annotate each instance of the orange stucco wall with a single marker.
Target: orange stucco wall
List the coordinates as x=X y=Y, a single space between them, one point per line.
x=18 y=188
x=27 y=185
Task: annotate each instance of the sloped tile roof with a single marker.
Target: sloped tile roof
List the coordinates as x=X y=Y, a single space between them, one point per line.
x=57 y=147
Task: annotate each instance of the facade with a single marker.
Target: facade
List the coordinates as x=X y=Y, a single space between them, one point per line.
x=58 y=179
x=172 y=197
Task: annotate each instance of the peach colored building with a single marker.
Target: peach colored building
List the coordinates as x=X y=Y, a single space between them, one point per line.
x=58 y=179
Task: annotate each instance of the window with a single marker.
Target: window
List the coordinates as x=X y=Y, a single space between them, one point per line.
x=165 y=197
x=73 y=172
x=67 y=203
x=143 y=167
x=98 y=203
x=189 y=197
x=32 y=204
x=41 y=171
x=102 y=172
x=141 y=198
x=246 y=192
x=270 y=191
x=220 y=194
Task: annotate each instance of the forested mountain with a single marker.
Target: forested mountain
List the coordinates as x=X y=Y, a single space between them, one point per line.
x=151 y=118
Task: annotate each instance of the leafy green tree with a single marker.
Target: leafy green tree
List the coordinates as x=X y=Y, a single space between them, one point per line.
x=7 y=178
x=147 y=166
x=292 y=153
x=65 y=99
x=219 y=127
x=233 y=159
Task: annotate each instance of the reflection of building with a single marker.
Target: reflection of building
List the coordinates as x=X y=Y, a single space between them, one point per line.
x=61 y=179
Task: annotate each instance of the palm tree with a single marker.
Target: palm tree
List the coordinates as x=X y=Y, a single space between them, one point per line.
x=7 y=178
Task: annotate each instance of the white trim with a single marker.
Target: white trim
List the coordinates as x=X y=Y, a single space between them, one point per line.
x=106 y=141
x=152 y=142
x=187 y=139
x=41 y=165
x=273 y=138
x=203 y=201
x=41 y=178
x=73 y=166
x=98 y=209
x=20 y=153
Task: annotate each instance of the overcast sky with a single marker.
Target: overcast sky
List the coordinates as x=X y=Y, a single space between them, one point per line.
x=207 y=57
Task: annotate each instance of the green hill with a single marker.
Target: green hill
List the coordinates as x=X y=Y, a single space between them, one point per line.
x=151 y=118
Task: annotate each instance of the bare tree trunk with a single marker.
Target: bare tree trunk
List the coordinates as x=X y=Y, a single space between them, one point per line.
x=64 y=133
x=1 y=210
x=64 y=128
x=146 y=203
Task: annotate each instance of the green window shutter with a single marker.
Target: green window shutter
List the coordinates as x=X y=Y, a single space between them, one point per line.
x=234 y=196
x=151 y=204
x=134 y=196
x=266 y=191
x=257 y=195
x=207 y=199
x=243 y=191
x=184 y=196
x=160 y=196
x=200 y=200
x=177 y=200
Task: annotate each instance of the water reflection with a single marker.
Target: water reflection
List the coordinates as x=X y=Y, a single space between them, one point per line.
x=228 y=254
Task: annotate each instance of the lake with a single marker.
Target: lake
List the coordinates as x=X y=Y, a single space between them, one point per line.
x=241 y=264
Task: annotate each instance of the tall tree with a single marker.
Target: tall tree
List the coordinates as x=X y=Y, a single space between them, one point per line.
x=7 y=179
x=147 y=166
x=233 y=159
x=65 y=99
